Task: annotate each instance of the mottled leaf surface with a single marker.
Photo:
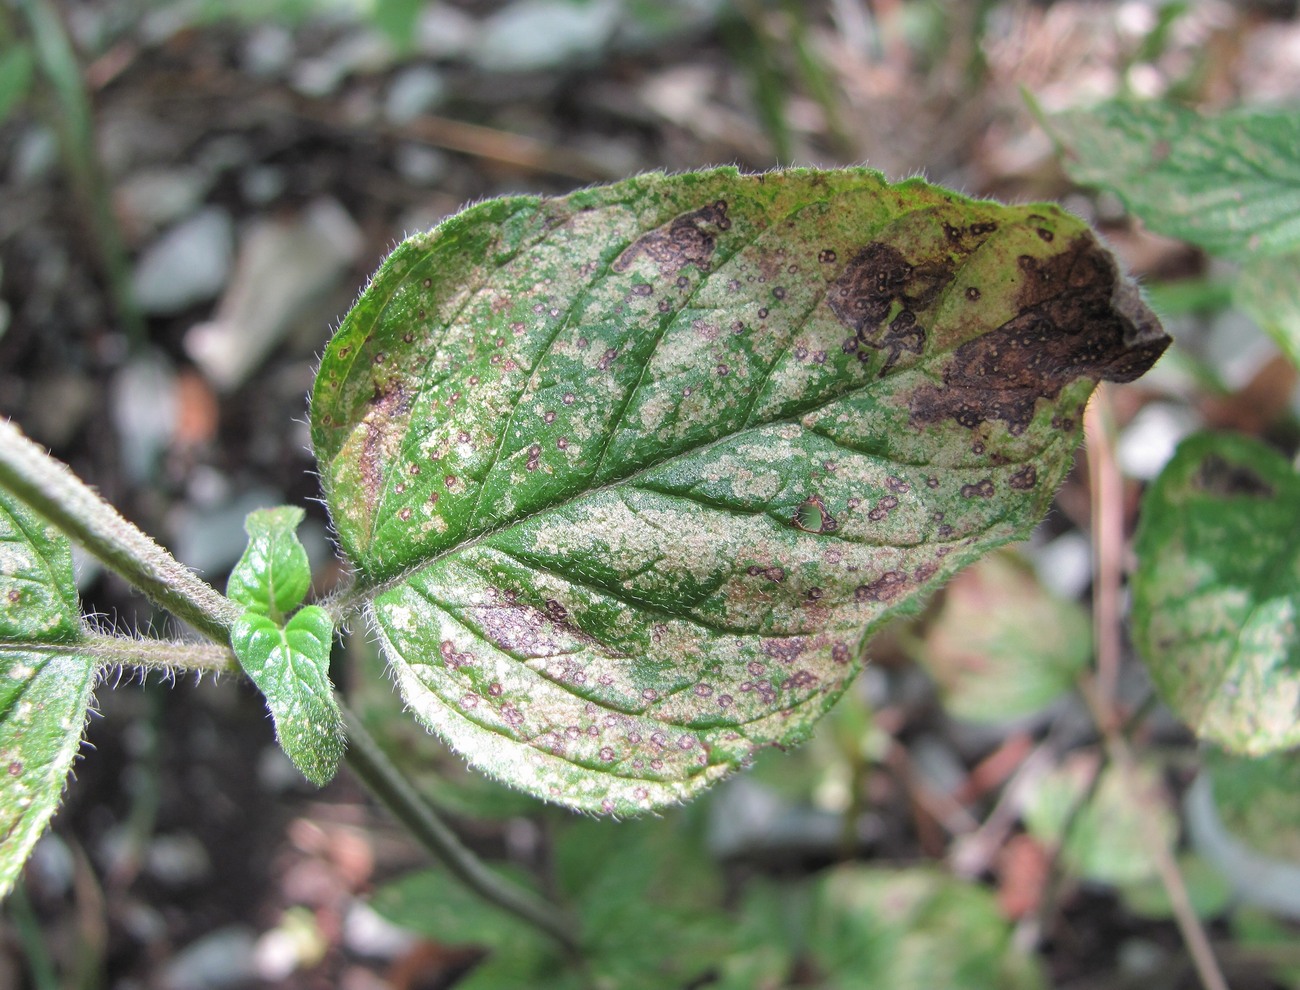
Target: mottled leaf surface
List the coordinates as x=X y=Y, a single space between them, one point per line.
x=45 y=683
x=273 y=575
x=287 y=658
x=630 y=474
x=1217 y=592
x=1229 y=182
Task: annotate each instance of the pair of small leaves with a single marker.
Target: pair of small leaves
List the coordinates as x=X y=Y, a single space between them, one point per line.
x=287 y=656
x=629 y=476
x=45 y=680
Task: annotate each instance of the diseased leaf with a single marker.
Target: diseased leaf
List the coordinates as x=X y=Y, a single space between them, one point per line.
x=1229 y=183
x=273 y=575
x=45 y=683
x=1217 y=592
x=290 y=666
x=1001 y=645
x=631 y=474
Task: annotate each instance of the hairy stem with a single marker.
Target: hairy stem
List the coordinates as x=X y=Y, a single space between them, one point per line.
x=50 y=488
x=393 y=790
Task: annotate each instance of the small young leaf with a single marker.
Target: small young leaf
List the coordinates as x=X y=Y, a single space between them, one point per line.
x=273 y=575
x=290 y=666
x=45 y=683
x=1229 y=183
x=1217 y=592
x=630 y=475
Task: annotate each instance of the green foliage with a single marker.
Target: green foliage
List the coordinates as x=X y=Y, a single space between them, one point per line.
x=630 y=475
x=650 y=902
x=288 y=660
x=45 y=680
x=912 y=928
x=1229 y=183
x=1258 y=800
x=1217 y=592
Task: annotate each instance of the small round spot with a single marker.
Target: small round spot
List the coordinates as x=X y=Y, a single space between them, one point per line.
x=703 y=690
x=722 y=370
x=650 y=694
x=725 y=701
x=762 y=313
x=404 y=514
x=1045 y=234
x=569 y=398
x=826 y=256
x=495 y=689
x=779 y=292
x=972 y=293
x=607 y=754
x=640 y=793
x=428 y=283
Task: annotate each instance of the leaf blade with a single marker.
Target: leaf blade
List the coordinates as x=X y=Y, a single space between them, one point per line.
x=1229 y=182
x=1217 y=591
x=45 y=683
x=290 y=666
x=629 y=495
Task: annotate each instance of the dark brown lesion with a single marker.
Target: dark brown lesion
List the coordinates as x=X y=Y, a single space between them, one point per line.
x=388 y=403
x=877 y=282
x=1077 y=317
x=689 y=239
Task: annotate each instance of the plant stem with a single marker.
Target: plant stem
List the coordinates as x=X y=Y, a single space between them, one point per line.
x=50 y=488
x=391 y=788
x=1099 y=692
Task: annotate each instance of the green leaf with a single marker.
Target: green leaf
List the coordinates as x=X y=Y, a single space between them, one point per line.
x=1258 y=800
x=1268 y=291
x=1001 y=645
x=45 y=683
x=630 y=475
x=273 y=575
x=1229 y=183
x=1217 y=592
x=290 y=665
x=913 y=928
x=441 y=909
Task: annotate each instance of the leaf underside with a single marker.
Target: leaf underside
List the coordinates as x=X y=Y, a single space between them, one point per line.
x=45 y=682
x=630 y=475
x=1217 y=592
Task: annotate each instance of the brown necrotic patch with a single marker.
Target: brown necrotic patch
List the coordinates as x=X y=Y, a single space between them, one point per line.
x=1077 y=317
x=880 y=281
x=390 y=402
x=686 y=240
